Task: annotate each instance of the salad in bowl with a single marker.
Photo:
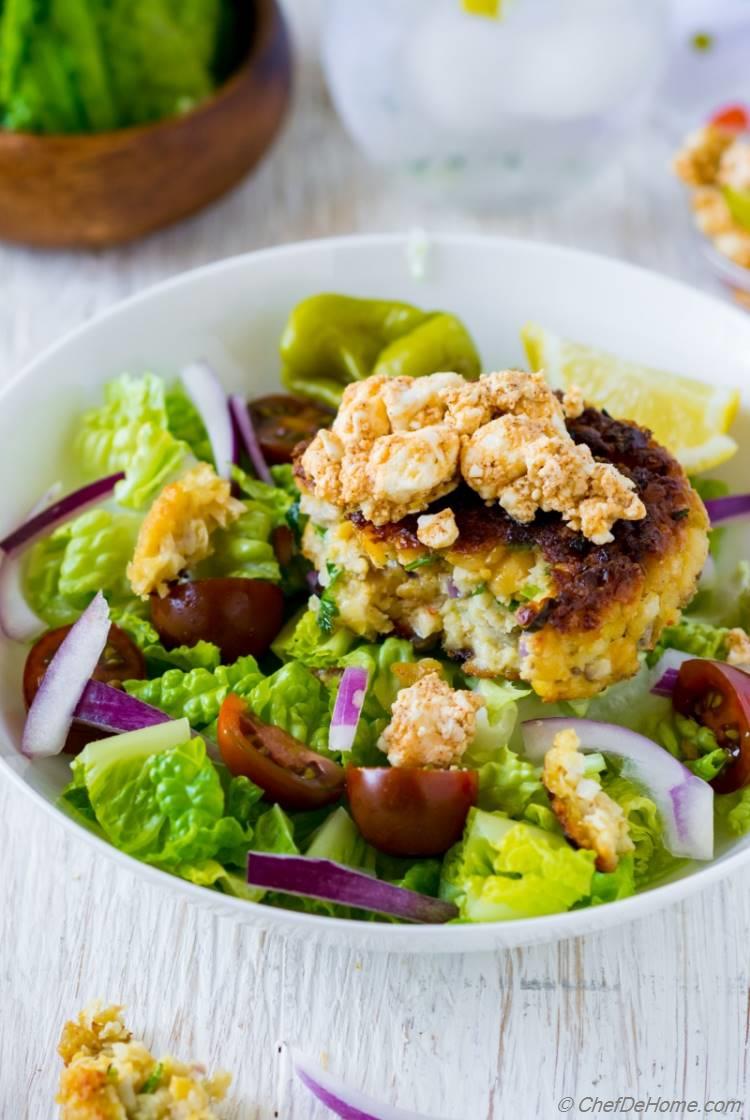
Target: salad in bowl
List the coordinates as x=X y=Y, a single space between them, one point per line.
x=405 y=641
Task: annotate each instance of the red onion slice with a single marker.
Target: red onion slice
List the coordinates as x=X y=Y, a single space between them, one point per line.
x=208 y=395
x=111 y=709
x=731 y=508
x=53 y=708
x=59 y=512
x=685 y=802
x=343 y=1101
x=664 y=672
x=17 y=620
x=333 y=882
x=350 y=699
x=241 y=414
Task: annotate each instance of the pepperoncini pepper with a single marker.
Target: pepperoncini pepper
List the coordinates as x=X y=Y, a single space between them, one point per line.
x=330 y=340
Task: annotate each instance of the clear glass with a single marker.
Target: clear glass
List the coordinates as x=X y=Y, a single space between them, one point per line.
x=494 y=111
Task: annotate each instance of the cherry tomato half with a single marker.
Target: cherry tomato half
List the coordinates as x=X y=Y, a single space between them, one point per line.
x=732 y=118
x=120 y=661
x=718 y=696
x=238 y=615
x=286 y=770
x=407 y=812
x=281 y=422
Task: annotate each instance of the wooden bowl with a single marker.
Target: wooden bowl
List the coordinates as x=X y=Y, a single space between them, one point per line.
x=94 y=190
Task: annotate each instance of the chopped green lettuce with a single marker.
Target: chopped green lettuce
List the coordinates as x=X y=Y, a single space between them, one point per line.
x=184 y=422
x=294 y=699
x=197 y=694
x=301 y=639
x=650 y=858
x=610 y=886
x=157 y=460
x=203 y=655
x=496 y=721
x=505 y=869
x=65 y=570
x=164 y=805
x=510 y=784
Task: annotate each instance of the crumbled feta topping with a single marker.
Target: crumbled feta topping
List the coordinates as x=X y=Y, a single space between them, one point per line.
x=176 y=532
x=397 y=445
x=437 y=530
x=431 y=724
x=109 y=1076
x=738 y=649
x=588 y=815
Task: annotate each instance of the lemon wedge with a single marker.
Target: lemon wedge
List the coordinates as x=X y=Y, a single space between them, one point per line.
x=689 y=418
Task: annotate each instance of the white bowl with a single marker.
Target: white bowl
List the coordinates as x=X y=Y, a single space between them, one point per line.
x=495 y=285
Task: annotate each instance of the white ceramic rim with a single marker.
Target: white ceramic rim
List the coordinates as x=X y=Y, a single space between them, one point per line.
x=402 y=937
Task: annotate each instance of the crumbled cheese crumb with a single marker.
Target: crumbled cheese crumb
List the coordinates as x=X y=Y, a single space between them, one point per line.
x=399 y=444
x=734 y=167
x=588 y=815
x=437 y=530
x=710 y=160
x=109 y=1076
x=738 y=649
x=431 y=724
x=176 y=532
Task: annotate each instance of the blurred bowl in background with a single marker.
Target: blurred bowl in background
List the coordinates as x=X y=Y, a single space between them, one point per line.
x=95 y=190
x=494 y=112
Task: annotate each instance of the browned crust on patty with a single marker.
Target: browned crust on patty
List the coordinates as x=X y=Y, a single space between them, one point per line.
x=586 y=577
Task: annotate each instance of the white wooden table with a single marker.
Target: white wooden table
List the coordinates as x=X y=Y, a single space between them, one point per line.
x=660 y=1007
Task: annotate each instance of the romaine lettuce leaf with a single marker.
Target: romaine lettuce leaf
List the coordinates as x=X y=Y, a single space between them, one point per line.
x=301 y=639
x=197 y=694
x=610 y=886
x=510 y=784
x=496 y=721
x=157 y=459
x=184 y=422
x=64 y=571
x=107 y=436
x=733 y=809
x=166 y=807
x=650 y=858
x=294 y=699
x=504 y=869
x=203 y=654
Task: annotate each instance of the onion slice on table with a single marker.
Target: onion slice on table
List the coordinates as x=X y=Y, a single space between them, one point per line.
x=685 y=802
x=341 y=1099
x=53 y=708
x=334 y=882
x=350 y=699
x=17 y=620
x=241 y=415
x=731 y=508
x=207 y=394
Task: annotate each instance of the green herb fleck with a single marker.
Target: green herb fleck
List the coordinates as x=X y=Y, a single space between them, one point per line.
x=151 y=1084
x=479 y=590
x=530 y=591
x=112 y=1074
x=419 y=562
x=328 y=610
x=680 y=514
x=702 y=41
